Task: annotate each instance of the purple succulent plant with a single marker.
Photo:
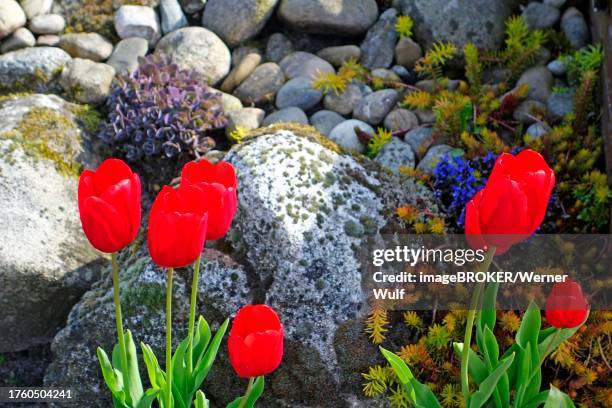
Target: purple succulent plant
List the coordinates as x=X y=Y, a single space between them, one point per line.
x=160 y=109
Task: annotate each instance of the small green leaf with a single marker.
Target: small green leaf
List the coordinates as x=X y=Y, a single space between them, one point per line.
x=558 y=399
x=546 y=341
x=486 y=388
x=113 y=383
x=156 y=375
x=419 y=394
x=476 y=366
x=200 y=400
x=201 y=340
x=253 y=396
x=537 y=401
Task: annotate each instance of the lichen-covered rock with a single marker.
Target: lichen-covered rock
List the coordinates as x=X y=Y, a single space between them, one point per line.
x=236 y=21
x=304 y=210
x=199 y=49
x=337 y=17
x=222 y=290
x=481 y=22
x=32 y=69
x=46 y=262
x=395 y=155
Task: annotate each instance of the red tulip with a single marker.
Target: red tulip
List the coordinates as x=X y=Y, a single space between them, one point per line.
x=512 y=205
x=177 y=226
x=218 y=182
x=109 y=205
x=566 y=306
x=256 y=341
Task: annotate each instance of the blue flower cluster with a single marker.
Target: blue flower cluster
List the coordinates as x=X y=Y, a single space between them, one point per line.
x=457 y=179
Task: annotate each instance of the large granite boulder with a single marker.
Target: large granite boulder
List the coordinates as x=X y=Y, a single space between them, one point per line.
x=46 y=263
x=305 y=208
x=481 y=22
x=222 y=290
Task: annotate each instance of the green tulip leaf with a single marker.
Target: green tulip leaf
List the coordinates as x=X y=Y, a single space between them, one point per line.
x=537 y=401
x=476 y=366
x=201 y=370
x=488 y=314
x=486 y=388
x=558 y=399
x=530 y=326
x=254 y=394
x=181 y=379
x=418 y=394
x=201 y=339
x=147 y=398
x=113 y=379
x=200 y=400
x=550 y=342
x=135 y=390
x=156 y=375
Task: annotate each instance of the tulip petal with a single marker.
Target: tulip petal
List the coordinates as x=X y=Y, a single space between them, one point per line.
x=255 y=318
x=102 y=225
x=110 y=172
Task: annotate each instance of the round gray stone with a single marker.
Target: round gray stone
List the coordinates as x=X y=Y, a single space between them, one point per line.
x=47 y=24
x=21 y=38
x=304 y=64
x=126 y=53
x=33 y=8
x=245 y=118
x=278 y=47
x=407 y=52
x=236 y=21
x=401 y=119
x=559 y=105
x=287 y=115
x=86 y=45
x=540 y=81
x=537 y=130
x=325 y=121
x=378 y=47
x=262 y=84
x=12 y=17
x=526 y=111
x=199 y=49
x=340 y=54
x=337 y=17
x=396 y=154
x=432 y=157
x=375 y=106
x=344 y=134
x=575 y=28
x=298 y=92
x=539 y=16
x=87 y=81
x=172 y=16
x=345 y=102
x=137 y=21
x=420 y=139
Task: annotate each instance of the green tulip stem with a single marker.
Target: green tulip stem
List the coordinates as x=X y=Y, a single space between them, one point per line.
x=119 y=319
x=469 y=325
x=248 y=391
x=169 y=339
x=192 y=312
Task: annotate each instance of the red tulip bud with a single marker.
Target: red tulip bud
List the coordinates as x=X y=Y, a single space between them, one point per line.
x=109 y=205
x=566 y=306
x=177 y=226
x=218 y=182
x=256 y=341
x=512 y=205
